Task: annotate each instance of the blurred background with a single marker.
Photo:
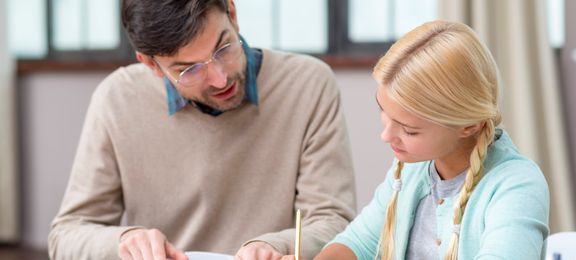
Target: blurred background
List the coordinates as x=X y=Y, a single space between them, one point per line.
x=54 y=53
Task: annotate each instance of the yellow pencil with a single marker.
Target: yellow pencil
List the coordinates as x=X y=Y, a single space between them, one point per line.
x=298 y=235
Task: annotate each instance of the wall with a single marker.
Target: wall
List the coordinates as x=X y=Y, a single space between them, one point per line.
x=52 y=109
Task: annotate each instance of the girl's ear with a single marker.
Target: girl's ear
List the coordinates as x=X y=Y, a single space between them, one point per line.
x=471 y=130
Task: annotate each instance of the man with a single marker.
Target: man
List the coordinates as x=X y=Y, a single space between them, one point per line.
x=208 y=145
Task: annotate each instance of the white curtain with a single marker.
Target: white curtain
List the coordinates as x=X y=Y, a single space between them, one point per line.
x=516 y=33
x=9 y=225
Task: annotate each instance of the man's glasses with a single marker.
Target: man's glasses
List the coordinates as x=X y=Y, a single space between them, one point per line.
x=196 y=73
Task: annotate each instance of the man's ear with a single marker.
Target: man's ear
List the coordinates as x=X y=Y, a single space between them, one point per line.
x=148 y=61
x=471 y=130
x=233 y=15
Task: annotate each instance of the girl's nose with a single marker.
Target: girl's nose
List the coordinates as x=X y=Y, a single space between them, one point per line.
x=387 y=134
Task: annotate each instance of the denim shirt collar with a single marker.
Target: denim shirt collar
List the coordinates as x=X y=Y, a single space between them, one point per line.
x=177 y=102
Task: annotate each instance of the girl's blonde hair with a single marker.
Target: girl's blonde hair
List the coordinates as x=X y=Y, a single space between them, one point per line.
x=442 y=72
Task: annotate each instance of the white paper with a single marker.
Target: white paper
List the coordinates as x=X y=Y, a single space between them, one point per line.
x=196 y=255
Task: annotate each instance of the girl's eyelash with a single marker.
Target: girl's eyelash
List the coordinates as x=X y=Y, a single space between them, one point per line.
x=410 y=133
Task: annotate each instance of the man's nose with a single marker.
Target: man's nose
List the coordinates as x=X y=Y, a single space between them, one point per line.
x=216 y=76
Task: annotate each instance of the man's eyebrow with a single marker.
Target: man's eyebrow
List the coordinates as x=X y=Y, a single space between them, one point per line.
x=190 y=63
x=403 y=124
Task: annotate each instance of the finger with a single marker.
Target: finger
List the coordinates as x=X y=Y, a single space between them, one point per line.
x=258 y=251
x=158 y=250
x=135 y=252
x=273 y=255
x=124 y=252
x=131 y=245
x=174 y=253
x=145 y=247
x=245 y=253
x=267 y=254
x=157 y=242
x=241 y=254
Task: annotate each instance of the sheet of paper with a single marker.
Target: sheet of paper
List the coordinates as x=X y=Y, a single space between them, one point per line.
x=196 y=255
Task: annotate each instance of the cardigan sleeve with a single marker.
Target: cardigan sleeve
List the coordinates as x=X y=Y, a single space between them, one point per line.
x=363 y=234
x=516 y=220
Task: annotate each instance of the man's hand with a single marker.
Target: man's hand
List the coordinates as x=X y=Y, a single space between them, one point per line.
x=147 y=244
x=257 y=251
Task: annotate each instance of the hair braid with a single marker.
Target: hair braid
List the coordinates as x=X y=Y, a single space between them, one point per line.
x=475 y=173
x=386 y=245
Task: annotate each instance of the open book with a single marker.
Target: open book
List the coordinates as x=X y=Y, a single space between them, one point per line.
x=197 y=255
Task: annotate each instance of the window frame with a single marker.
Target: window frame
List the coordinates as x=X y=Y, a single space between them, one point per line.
x=341 y=50
x=122 y=52
x=339 y=41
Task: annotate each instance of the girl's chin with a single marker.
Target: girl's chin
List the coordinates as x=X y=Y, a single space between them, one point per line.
x=406 y=159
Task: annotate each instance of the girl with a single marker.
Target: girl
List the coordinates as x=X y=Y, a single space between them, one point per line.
x=459 y=188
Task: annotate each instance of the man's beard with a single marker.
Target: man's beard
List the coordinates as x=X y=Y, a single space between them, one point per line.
x=230 y=104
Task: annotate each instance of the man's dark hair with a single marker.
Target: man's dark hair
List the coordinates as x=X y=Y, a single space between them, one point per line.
x=161 y=27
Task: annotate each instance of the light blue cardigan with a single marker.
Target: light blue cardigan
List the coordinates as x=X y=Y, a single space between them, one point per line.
x=506 y=216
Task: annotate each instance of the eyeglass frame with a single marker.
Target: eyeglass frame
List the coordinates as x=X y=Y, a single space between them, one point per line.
x=202 y=64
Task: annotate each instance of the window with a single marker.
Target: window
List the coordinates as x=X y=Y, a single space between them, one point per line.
x=556 y=28
x=85 y=25
x=285 y=25
x=335 y=27
x=66 y=30
x=26 y=33
x=385 y=21
x=91 y=30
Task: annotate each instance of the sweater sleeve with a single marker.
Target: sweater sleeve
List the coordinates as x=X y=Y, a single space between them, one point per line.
x=325 y=188
x=517 y=218
x=86 y=226
x=363 y=234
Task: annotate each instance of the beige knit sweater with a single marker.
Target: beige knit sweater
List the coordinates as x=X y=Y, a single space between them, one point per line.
x=210 y=183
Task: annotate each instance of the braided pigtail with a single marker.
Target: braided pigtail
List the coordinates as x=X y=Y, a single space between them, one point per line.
x=475 y=173
x=386 y=244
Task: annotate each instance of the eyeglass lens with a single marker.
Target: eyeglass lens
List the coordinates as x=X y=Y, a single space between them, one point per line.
x=225 y=55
